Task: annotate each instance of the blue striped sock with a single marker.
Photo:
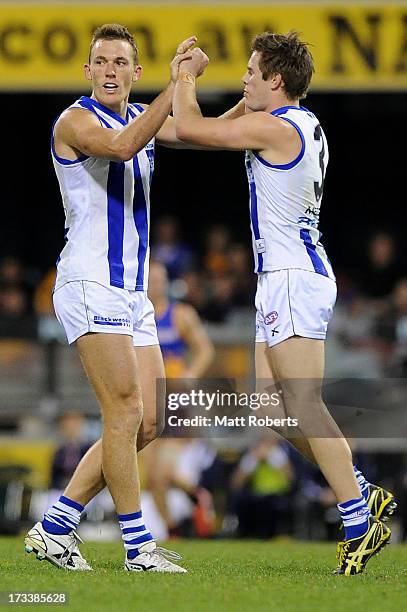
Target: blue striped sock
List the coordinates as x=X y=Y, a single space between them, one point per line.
x=134 y=532
x=362 y=482
x=63 y=517
x=354 y=514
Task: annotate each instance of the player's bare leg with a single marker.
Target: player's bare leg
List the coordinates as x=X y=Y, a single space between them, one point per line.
x=265 y=382
x=111 y=366
x=153 y=392
x=130 y=395
x=381 y=502
x=297 y=364
x=88 y=479
x=159 y=462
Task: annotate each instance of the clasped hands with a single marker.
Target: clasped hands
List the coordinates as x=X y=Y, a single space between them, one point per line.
x=188 y=60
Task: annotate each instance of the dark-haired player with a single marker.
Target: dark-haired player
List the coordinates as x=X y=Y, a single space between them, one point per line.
x=286 y=159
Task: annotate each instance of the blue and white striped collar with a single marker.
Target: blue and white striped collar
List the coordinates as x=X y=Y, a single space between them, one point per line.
x=284 y=109
x=90 y=103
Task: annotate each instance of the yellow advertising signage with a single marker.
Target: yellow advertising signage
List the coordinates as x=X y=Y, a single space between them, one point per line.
x=356 y=46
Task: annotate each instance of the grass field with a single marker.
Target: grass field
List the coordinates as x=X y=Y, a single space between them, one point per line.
x=223 y=575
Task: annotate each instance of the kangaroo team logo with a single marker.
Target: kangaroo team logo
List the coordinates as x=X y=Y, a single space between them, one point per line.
x=271 y=317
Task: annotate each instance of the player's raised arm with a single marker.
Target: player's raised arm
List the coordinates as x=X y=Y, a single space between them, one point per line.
x=257 y=131
x=78 y=131
x=167 y=135
x=168 y=138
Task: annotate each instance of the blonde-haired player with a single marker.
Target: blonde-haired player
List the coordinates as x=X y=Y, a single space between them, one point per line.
x=103 y=154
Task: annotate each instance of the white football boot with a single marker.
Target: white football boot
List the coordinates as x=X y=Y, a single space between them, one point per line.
x=153 y=558
x=60 y=550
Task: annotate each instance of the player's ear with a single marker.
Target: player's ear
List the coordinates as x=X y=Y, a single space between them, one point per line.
x=137 y=73
x=86 y=70
x=276 y=81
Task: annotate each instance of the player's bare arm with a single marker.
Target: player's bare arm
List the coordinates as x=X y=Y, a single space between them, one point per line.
x=278 y=141
x=257 y=131
x=236 y=111
x=168 y=138
x=79 y=132
x=167 y=135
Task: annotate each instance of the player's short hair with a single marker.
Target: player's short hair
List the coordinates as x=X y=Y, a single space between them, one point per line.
x=287 y=55
x=114 y=31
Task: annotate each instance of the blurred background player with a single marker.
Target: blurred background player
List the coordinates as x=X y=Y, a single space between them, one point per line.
x=185 y=345
x=286 y=159
x=188 y=352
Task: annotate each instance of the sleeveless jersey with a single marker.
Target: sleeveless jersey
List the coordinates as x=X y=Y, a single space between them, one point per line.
x=107 y=211
x=172 y=345
x=285 y=201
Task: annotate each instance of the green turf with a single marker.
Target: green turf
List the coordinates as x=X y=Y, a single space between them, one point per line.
x=223 y=575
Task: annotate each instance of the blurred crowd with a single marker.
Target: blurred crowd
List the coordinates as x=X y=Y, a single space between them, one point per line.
x=368 y=333
x=370 y=319
x=215 y=278
x=262 y=489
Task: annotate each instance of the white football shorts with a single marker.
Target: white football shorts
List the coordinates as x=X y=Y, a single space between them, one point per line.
x=293 y=303
x=86 y=306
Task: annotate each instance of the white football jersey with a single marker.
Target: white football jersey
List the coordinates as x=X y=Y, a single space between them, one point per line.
x=107 y=211
x=285 y=201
